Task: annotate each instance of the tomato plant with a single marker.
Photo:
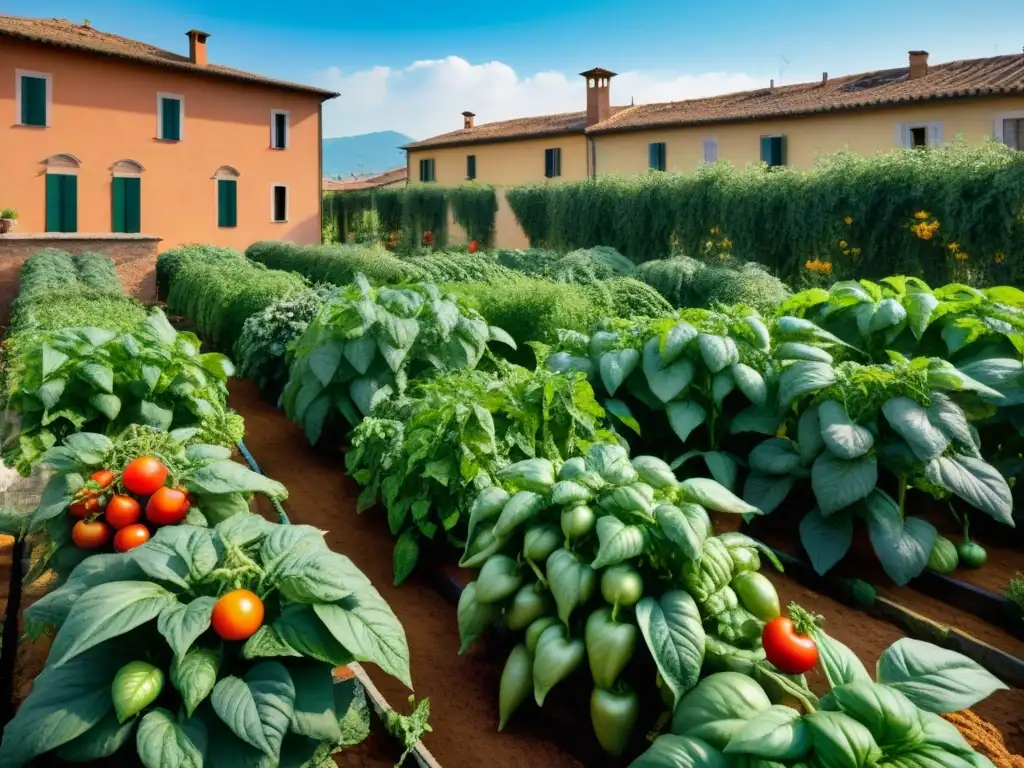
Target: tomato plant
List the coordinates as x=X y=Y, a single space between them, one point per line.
x=90 y=534
x=130 y=537
x=122 y=511
x=788 y=643
x=247 y=616
x=167 y=506
x=144 y=475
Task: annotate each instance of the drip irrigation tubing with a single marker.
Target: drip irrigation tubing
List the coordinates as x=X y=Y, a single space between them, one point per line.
x=282 y=516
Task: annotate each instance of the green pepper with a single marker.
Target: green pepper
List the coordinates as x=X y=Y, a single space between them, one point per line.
x=528 y=605
x=577 y=522
x=757 y=595
x=557 y=656
x=571 y=581
x=498 y=579
x=536 y=629
x=720 y=656
x=621 y=584
x=486 y=506
x=610 y=646
x=480 y=548
x=614 y=714
x=943 y=557
x=711 y=573
x=972 y=554
x=473 y=616
x=519 y=509
x=516 y=683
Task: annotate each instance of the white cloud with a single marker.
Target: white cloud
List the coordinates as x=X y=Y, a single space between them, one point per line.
x=426 y=98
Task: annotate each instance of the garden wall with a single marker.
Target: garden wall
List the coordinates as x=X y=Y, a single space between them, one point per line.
x=134 y=257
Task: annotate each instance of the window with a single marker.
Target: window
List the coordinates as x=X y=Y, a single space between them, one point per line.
x=61 y=202
x=33 y=94
x=170 y=110
x=470 y=167
x=773 y=150
x=710 y=150
x=227 y=203
x=279 y=202
x=427 y=170
x=920 y=135
x=278 y=129
x=1009 y=129
x=656 y=156
x=552 y=163
x=126 y=204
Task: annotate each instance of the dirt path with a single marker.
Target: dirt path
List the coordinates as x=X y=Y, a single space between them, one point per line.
x=463 y=690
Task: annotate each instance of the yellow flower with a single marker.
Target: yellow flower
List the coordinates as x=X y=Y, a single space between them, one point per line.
x=999 y=258
x=961 y=256
x=709 y=244
x=954 y=247
x=714 y=230
x=842 y=243
x=922 y=215
x=727 y=243
x=848 y=220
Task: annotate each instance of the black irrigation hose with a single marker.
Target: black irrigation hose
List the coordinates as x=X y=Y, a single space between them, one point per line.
x=11 y=633
x=282 y=516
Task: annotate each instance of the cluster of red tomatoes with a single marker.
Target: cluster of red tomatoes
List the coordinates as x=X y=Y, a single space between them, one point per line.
x=106 y=514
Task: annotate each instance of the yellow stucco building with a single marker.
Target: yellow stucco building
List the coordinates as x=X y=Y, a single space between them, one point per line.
x=917 y=105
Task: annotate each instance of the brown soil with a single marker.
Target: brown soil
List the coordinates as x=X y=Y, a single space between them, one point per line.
x=985 y=739
x=463 y=690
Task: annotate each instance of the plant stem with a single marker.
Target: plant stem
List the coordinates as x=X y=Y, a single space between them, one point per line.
x=903 y=493
x=537 y=573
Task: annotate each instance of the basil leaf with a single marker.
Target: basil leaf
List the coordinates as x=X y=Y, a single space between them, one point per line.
x=672 y=628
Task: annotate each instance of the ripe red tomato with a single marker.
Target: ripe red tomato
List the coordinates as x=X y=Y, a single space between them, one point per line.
x=78 y=509
x=472 y=246
x=122 y=511
x=103 y=477
x=791 y=652
x=87 y=506
x=144 y=475
x=237 y=615
x=130 y=537
x=168 y=506
x=90 y=535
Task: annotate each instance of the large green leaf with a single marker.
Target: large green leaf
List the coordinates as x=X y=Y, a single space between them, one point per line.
x=686 y=526
x=778 y=733
x=808 y=435
x=767 y=492
x=671 y=751
x=616 y=366
x=838 y=483
x=840 y=664
x=775 y=456
x=368 y=629
x=671 y=626
x=841 y=436
x=665 y=381
x=102 y=740
x=826 y=539
x=891 y=717
x=935 y=679
x=920 y=306
x=194 y=675
x=229 y=476
x=65 y=702
x=715 y=496
x=840 y=741
x=300 y=628
x=902 y=544
x=910 y=420
x=107 y=611
x=57 y=495
x=717 y=352
x=182 y=624
x=318 y=575
x=163 y=742
x=685 y=416
x=324 y=360
x=801 y=378
x=258 y=708
x=177 y=554
x=976 y=482
x=617 y=542
x=314 y=702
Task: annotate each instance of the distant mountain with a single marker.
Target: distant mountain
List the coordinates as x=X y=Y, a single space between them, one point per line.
x=364 y=155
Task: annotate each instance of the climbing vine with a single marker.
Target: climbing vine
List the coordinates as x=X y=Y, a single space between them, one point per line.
x=860 y=215
x=474 y=207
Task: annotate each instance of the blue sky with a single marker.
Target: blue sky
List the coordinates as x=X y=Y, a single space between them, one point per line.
x=664 y=48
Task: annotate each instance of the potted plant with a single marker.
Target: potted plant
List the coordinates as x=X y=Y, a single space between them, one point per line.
x=8 y=218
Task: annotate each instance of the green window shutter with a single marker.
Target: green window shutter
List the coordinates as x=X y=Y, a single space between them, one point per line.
x=280 y=131
x=230 y=188
x=549 y=163
x=780 y=143
x=223 y=204
x=652 y=156
x=171 y=125
x=558 y=162
x=663 y=157
x=470 y=166
x=53 y=202
x=69 y=203
x=133 y=205
x=118 y=195
x=766 y=149
x=33 y=100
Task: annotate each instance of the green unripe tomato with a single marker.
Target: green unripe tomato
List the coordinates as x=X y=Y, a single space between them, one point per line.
x=943 y=557
x=621 y=585
x=972 y=554
x=136 y=685
x=540 y=541
x=536 y=629
x=577 y=522
x=757 y=595
x=527 y=606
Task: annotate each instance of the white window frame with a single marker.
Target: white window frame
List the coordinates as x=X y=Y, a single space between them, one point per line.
x=933 y=133
x=999 y=118
x=20 y=73
x=287 y=128
x=709 y=143
x=287 y=203
x=160 y=96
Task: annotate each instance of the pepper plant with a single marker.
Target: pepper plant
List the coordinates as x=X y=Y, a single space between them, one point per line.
x=608 y=550
x=847 y=421
x=217 y=487
x=100 y=380
x=731 y=719
x=699 y=375
x=245 y=620
x=365 y=344
x=426 y=454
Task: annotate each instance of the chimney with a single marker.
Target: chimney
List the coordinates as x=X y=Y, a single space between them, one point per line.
x=918 y=64
x=599 y=105
x=824 y=78
x=467 y=120
x=197 y=47
x=771 y=85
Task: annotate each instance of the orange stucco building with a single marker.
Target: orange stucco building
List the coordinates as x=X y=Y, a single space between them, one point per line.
x=102 y=134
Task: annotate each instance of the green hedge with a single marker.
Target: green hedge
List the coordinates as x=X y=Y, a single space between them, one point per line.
x=169 y=262
x=336 y=264
x=854 y=212
x=686 y=282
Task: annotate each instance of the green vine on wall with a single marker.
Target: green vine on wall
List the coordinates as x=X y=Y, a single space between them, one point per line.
x=850 y=211
x=474 y=207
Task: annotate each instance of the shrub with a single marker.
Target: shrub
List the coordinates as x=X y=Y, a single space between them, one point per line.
x=169 y=262
x=686 y=282
x=97 y=271
x=335 y=264
x=631 y=298
x=458 y=267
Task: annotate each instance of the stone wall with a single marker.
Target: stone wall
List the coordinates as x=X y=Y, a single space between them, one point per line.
x=133 y=255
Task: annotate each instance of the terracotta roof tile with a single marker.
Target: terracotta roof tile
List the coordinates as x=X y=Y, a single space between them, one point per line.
x=976 y=77
x=394 y=176
x=66 y=34
x=507 y=130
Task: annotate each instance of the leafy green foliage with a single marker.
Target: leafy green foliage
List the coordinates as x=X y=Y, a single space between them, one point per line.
x=426 y=454
x=409 y=729
x=169 y=262
x=268 y=699
x=366 y=343
x=454 y=267
x=95 y=379
x=783 y=217
x=474 y=207
x=334 y=264
x=631 y=298
x=687 y=282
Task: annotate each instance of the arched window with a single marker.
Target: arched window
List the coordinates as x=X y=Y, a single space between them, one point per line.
x=227 y=196
x=62 y=163
x=61 y=173
x=126 y=196
x=126 y=168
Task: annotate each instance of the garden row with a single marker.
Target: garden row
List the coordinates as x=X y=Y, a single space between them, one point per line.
x=527 y=472
x=187 y=631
